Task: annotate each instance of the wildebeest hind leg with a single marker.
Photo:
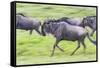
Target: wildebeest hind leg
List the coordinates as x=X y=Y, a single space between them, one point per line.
x=60 y=48
x=76 y=48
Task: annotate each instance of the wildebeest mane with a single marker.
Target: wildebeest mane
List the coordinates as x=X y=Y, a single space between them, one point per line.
x=90 y=16
x=63 y=19
x=21 y=14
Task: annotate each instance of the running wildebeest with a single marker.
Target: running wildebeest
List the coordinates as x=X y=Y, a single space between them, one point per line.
x=64 y=31
x=27 y=23
x=89 y=21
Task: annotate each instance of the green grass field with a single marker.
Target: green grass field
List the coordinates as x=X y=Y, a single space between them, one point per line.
x=36 y=49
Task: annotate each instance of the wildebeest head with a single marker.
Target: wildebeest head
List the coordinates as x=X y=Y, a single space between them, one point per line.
x=49 y=26
x=89 y=21
x=92 y=22
x=45 y=28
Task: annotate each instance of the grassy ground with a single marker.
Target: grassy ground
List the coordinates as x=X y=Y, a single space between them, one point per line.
x=36 y=49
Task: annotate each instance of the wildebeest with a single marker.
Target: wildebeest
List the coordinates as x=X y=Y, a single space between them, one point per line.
x=89 y=21
x=27 y=23
x=61 y=30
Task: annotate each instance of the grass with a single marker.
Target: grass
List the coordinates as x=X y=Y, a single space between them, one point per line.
x=36 y=49
x=52 y=11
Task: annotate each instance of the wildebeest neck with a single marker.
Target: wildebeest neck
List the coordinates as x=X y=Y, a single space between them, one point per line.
x=53 y=27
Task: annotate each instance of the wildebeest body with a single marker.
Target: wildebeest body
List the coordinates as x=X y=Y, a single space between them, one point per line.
x=27 y=23
x=64 y=31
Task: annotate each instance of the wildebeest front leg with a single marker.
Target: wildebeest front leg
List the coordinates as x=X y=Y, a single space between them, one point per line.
x=37 y=30
x=31 y=32
x=54 y=47
x=76 y=48
x=84 y=46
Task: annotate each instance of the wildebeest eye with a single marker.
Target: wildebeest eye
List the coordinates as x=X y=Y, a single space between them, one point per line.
x=47 y=23
x=91 y=21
